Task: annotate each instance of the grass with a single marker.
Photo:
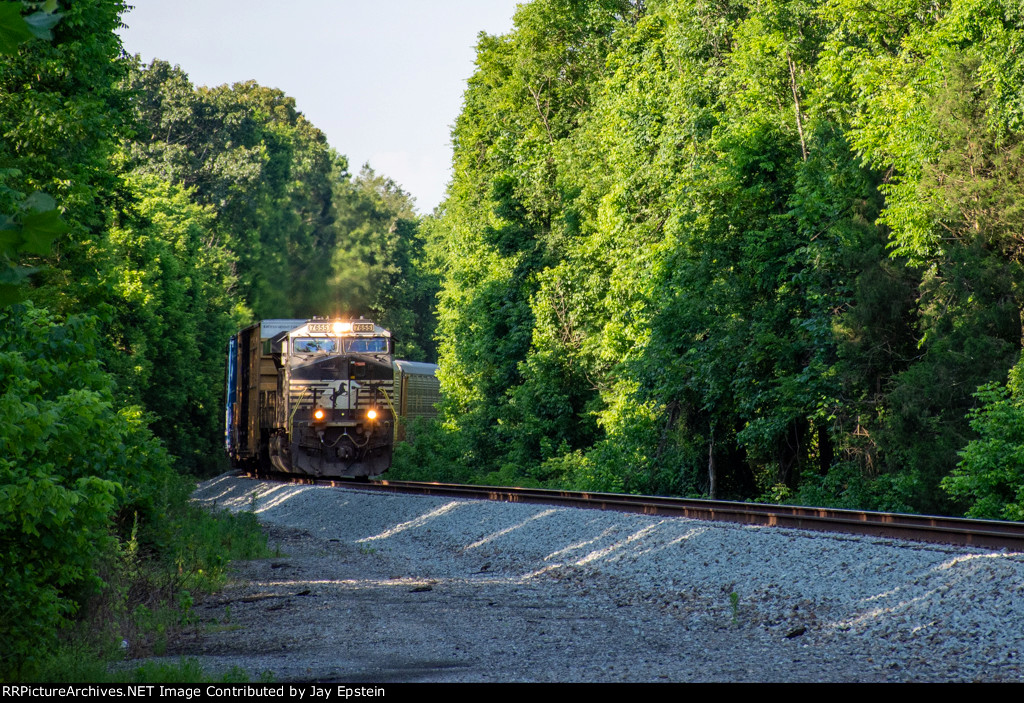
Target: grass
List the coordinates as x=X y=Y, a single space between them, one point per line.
x=149 y=587
x=84 y=666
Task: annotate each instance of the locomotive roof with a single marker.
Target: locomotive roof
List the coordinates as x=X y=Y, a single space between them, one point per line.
x=276 y=327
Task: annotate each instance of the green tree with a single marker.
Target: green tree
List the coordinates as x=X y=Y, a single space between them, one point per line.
x=71 y=461
x=378 y=266
x=59 y=114
x=990 y=475
x=247 y=152
x=171 y=307
x=504 y=223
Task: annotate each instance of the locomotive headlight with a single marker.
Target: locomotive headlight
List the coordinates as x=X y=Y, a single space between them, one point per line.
x=319 y=414
x=341 y=327
x=372 y=414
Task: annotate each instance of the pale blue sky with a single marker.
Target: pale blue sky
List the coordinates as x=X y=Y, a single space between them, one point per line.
x=383 y=80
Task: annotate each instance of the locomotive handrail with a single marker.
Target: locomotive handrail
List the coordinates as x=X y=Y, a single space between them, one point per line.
x=296 y=409
x=394 y=413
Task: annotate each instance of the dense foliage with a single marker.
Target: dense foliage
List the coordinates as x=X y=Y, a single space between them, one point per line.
x=143 y=220
x=70 y=463
x=307 y=238
x=741 y=249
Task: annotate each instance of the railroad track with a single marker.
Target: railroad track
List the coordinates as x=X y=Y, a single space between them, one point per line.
x=992 y=534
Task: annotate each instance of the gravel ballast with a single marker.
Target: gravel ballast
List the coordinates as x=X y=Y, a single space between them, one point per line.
x=377 y=587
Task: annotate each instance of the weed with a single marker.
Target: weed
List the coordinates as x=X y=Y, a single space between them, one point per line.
x=734 y=601
x=208 y=541
x=80 y=664
x=147 y=586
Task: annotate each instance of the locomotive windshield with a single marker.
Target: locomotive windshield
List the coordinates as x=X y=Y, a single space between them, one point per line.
x=363 y=345
x=366 y=346
x=310 y=345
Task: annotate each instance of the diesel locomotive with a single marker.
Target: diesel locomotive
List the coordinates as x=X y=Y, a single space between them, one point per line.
x=319 y=397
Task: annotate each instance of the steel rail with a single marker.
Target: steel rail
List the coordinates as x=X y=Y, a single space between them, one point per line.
x=991 y=534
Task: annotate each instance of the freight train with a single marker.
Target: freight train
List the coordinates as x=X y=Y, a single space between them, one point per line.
x=320 y=397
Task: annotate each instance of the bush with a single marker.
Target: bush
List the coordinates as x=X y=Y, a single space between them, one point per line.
x=990 y=475
x=433 y=452
x=70 y=464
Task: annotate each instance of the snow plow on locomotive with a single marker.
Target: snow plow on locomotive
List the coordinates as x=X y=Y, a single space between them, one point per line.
x=314 y=397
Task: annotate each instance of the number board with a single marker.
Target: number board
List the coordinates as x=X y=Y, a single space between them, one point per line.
x=362 y=327
x=319 y=327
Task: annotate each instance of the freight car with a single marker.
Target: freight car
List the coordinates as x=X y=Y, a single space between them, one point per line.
x=314 y=397
x=417 y=393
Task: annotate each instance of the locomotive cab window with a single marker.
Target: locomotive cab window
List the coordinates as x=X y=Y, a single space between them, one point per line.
x=373 y=345
x=312 y=345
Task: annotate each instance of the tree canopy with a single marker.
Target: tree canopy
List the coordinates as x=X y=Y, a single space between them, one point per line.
x=740 y=249
x=142 y=221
